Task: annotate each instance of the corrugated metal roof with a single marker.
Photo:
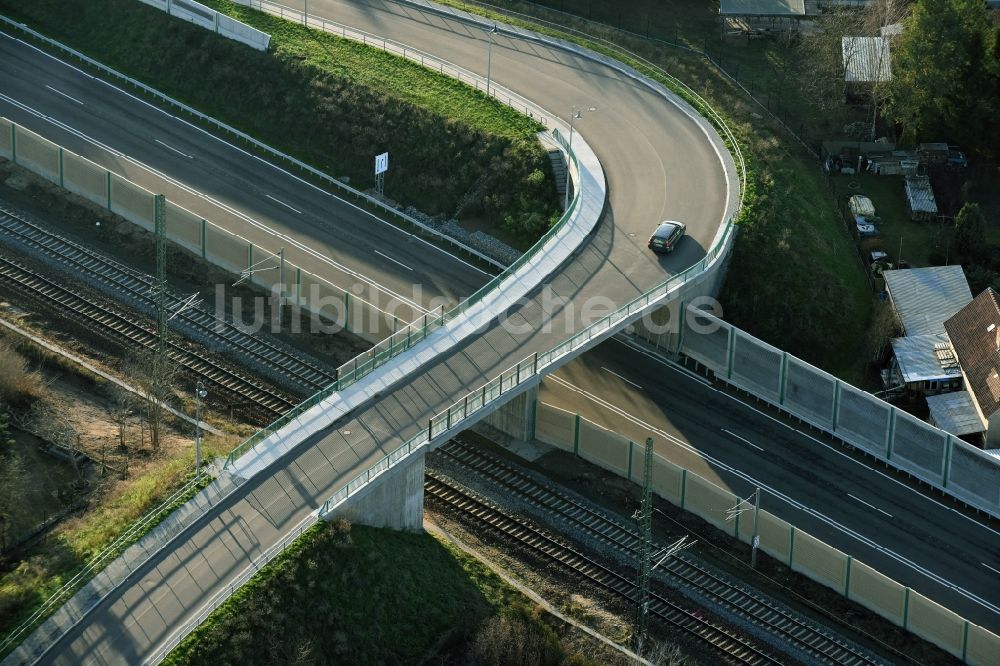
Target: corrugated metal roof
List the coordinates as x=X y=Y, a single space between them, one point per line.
x=925 y=297
x=955 y=413
x=762 y=7
x=866 y=59
x=924 y=357
x=921 y=195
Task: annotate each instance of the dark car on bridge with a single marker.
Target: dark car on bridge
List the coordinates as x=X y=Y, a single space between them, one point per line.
x=666 y=236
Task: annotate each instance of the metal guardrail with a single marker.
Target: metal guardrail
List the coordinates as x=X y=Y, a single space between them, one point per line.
x=97 y=564
x=222 y=595
x=529 y=18
x=406 y=338
x=698 y=101
x=519 y=374
x=517 y=102
x=357 y=194
x=527 y=371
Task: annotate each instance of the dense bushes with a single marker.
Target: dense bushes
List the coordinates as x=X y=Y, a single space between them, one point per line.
x=333 y=103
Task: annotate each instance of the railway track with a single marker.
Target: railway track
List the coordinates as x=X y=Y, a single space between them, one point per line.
x=754 y=608
x=299 y=372
x=127 y=329
x=724 y=641
x=304 y=375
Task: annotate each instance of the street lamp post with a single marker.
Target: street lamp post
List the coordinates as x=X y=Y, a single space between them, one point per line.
x=199 y=394
x=569 y=152
x=489 y=58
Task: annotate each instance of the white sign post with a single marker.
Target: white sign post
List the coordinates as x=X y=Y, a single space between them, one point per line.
x=381 y=166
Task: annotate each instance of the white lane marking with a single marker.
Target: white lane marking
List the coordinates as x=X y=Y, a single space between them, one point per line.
x=634 y=346
x=990 y=568
x=282 y=203
x=627 y=381
x=778 y=494
x=168 y=147
x=248 y=154
x=60 y=92
x=868 y=504
x=222 y=206
x=742 y=439
x=393 y=260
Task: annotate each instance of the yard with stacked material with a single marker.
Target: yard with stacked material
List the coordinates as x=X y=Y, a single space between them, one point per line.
x=332 y=103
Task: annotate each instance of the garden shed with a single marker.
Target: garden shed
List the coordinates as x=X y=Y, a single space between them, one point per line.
x=757 y=17
x=866 y=59
x=920 y=198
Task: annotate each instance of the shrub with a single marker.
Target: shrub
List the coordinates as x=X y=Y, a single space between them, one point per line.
x=518 y=637
x=18 y=385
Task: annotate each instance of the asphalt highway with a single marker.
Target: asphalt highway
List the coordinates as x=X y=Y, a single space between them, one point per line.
x=918 y=540
x=211 y=177
x=659 y=164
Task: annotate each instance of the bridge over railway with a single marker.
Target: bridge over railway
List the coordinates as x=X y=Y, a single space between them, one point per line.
x=359 y=448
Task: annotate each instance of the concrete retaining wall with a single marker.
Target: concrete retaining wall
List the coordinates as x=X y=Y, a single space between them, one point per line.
x=818 y=561
x=184 y=228
x=604 y=448
x=84 y=178
x=877 y=592
x=37 y=154
x=225 y=250
x=709 y=502
x=936 y=624
x=799 y=550
x=982 y=647
x=205 y=17
x=6 y=139
x=397 y=502
x=555 y=426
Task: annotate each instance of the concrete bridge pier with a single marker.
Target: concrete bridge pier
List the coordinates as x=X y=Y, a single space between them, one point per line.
x=516 y=418
x=395 y=501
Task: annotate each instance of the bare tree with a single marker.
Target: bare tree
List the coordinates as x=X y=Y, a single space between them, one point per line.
x=826 y=55
x=153 y=375
x=122 y=410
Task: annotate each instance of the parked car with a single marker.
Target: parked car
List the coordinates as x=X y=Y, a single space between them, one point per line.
x=666 y=236
x=865 y=228
x=956 y=158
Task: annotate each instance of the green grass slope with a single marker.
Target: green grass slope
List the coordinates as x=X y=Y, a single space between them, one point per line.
x=330 y=102
x=359 y=595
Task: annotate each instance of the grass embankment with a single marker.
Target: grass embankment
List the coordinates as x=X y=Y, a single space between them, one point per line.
x=330 y=102
x=352 y=595
x=795 y=280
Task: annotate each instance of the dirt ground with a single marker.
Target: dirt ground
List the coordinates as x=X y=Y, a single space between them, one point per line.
x=76 y=411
